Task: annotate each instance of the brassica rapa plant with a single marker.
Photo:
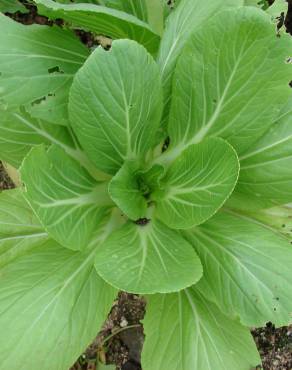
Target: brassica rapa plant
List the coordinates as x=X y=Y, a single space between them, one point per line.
x=161 y=167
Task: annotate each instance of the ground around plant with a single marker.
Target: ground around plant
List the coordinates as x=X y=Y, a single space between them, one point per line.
x=121 y=338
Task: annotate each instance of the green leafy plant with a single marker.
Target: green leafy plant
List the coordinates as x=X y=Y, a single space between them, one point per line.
x=160 y=167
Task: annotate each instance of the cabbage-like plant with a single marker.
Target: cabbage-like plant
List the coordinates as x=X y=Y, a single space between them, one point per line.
x=161 y=167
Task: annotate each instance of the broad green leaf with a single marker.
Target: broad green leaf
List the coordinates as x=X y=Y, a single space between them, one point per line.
x=20 y=230
x=266 y=168
x=230 y=88
x=184 y=331
x=67 y=200
x=197 y=184
x=12 y=6
x=53 y=107
x=148 y=259
x=37 y=63
x=247 y=268
x=185 y=20
x=103 y=21
x=51 y=301
x=115 y=104
x=125 y=190
x=19 y=132
x=135 y=7
x=155 y=11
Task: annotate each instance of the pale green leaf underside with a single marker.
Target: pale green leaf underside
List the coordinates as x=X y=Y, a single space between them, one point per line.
x=102 y=20
x=247 y=269
x=36 y=62
x=67 y=200
x=125 y=192
x=148 y=259
x=266 y=168
x=20 y=230
x=51 y=301
x=185 y=20
x=12 y=6
x=231 y=80
x=115 y=104
x=197 y=183
x=19 y=132
x=184 y=331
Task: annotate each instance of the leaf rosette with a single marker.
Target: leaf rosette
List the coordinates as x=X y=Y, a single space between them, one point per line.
x=171 y=156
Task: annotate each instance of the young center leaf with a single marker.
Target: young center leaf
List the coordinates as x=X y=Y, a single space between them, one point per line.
x=20 y=230
x=125 y=190
x=51 y=301
x=115 y=104
x=247 y=268
x=197 y=183
x=36 y=64
x=266 y=168
x=102 y=21
x=148 y=259
x=131 y=188
x=185 y=331
x=231 y=80
x=67 y=200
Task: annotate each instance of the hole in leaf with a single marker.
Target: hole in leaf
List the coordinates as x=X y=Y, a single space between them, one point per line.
x=166 y=144
x=38 y=101
x=142 y=221
x=55 y=69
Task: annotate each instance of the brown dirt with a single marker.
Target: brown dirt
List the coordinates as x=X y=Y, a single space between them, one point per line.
x=275 y=347
x=121 y=338
x=5 y=182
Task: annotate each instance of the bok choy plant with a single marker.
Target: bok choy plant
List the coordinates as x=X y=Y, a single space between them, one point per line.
x=161 y=167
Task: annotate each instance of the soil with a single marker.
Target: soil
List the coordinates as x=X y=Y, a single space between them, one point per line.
x=275 y=347
x=5 y=182
x=121 y=338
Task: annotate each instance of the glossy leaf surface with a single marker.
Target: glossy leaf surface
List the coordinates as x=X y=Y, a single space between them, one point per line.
x=148 y=259
x=115 y=104
x=247 y=269
x=197 y=184
x=196 y=335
